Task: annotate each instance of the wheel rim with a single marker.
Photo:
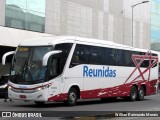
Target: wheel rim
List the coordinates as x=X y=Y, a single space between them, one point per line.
x=72 y=97
x=141 y=94
x=133 y=94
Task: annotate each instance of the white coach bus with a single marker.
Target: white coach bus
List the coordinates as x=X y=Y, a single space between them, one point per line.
x=68 y=68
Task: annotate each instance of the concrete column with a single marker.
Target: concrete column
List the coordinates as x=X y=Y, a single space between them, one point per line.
x=2 y=12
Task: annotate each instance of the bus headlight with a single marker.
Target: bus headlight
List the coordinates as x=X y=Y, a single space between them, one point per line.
x=9 y=87
x=41 y=88
x=44 y=87
x=38 y=89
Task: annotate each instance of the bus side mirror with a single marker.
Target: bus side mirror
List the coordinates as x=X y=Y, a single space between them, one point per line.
x=5 y=56
x=47 y=55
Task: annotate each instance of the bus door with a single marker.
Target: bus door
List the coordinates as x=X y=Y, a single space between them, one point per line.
x=53 y=73
x=56 y=67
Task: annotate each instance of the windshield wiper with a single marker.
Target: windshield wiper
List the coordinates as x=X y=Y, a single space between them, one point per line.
x=21 y=71
x=22 y=68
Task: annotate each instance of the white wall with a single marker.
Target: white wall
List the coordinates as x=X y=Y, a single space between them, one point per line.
x=2 y=12
x=142 y=12
x=141 y=24
x=12 y=37
x=103 y=19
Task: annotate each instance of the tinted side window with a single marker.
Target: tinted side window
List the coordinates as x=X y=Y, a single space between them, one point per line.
x=128 y=59
x=121 y=58
x=65 y=48
x=145 y=63
x=115 y=57
x=81 y=55
x=85 y=54
x=53 y=68
x=108 y=57
x=96 y=55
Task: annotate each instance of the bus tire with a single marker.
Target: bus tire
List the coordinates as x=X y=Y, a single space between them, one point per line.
x=39 y=103
x=141 y=93
x=133 y=94
x=72 y=97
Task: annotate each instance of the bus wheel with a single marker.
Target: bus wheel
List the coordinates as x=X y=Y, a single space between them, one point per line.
x=141 y=93
x=39 y=103
x=133 y=93
x=72 y=97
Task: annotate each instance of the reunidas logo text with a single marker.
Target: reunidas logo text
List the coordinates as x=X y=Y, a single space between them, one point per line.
x=104 y=72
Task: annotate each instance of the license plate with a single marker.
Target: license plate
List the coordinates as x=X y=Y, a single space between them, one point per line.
x=22 y=96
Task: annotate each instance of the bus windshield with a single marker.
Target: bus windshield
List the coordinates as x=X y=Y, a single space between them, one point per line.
x=27 y=65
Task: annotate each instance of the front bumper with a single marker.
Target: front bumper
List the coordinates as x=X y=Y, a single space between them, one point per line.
x=41 y=95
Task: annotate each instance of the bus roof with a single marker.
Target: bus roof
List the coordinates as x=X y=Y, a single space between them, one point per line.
x=46 y=40
x=51 y=40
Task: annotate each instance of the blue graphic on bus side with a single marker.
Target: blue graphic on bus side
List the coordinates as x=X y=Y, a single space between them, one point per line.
x=104 y=72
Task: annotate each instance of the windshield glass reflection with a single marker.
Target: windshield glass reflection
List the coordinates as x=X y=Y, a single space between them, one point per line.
x=27 y=64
